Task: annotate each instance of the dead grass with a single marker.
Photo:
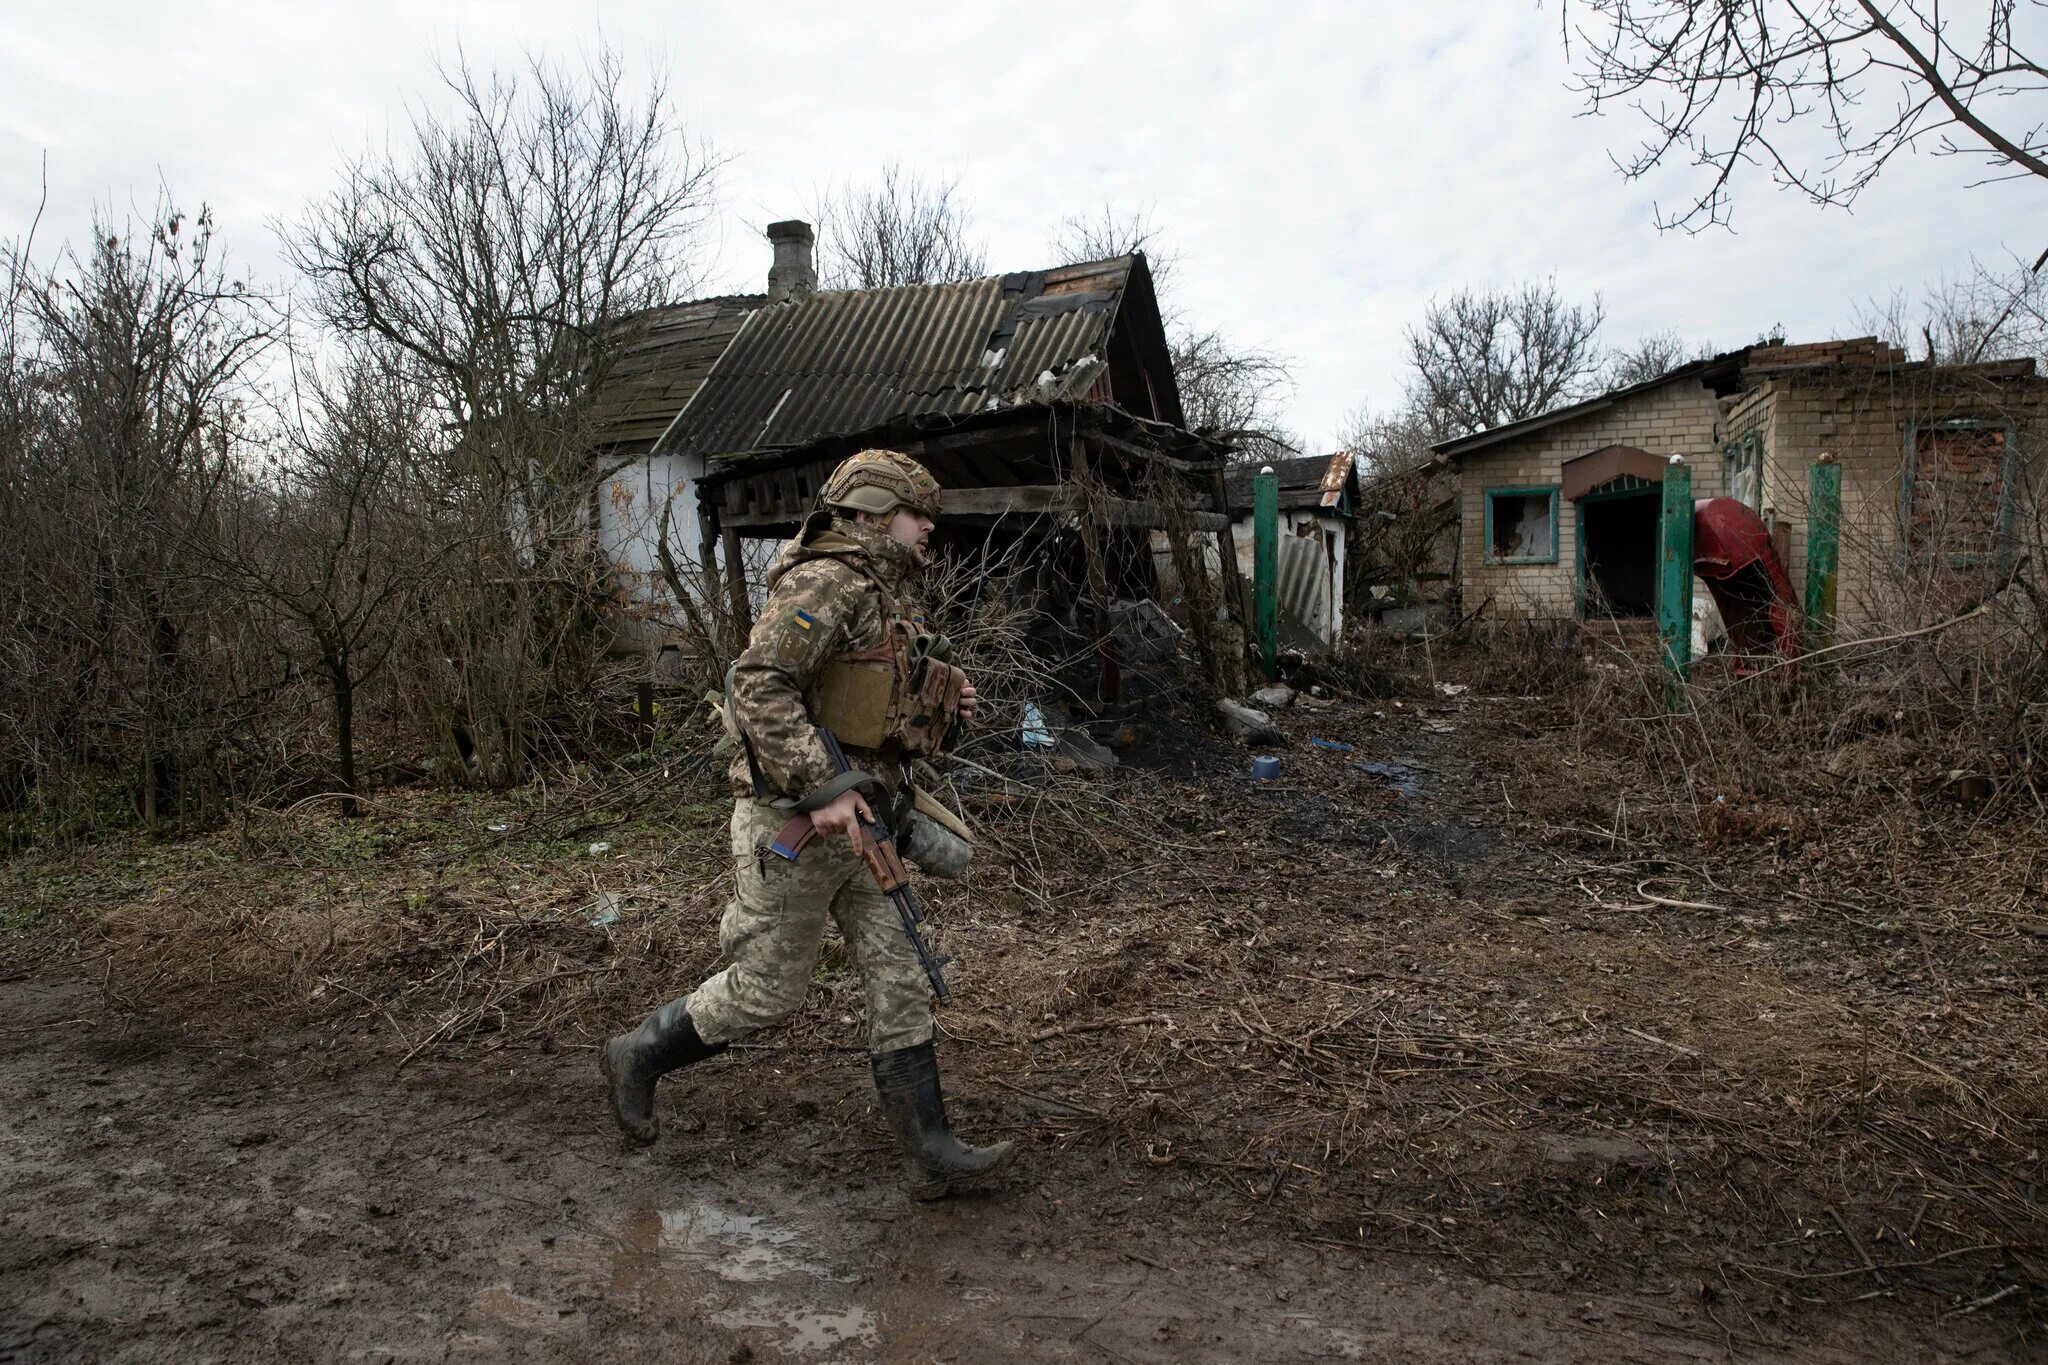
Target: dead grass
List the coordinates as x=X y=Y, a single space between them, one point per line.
x=1528 y=1020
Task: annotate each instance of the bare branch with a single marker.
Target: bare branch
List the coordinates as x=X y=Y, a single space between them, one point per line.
x=1789 y=85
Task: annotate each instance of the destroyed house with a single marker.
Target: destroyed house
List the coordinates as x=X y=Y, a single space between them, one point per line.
x=1559 y=514
x=1043 y=401
x=1318 y=499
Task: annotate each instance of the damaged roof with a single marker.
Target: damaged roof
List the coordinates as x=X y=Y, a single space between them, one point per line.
x=1311 y=481
x=1719 y=373
x=844 y=360
x=658 y=369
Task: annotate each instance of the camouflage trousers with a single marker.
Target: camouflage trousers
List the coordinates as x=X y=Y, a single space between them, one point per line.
x=775 y=922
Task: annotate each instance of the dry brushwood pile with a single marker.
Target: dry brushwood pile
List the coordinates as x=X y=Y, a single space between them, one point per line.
x=1474 y=989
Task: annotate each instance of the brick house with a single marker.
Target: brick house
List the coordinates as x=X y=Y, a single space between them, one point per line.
x=1559 y=513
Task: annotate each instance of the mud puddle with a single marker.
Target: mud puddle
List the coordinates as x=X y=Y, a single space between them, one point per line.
x=750 y=1272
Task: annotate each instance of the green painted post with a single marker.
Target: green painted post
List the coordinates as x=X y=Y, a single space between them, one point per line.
x=1266 y=567
x=1674 y=575
x=1823 y=545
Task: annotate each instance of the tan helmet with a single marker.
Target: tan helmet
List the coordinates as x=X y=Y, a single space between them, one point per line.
x=880 y=481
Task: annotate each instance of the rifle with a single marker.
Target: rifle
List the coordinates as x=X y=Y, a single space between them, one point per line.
x=885 y=865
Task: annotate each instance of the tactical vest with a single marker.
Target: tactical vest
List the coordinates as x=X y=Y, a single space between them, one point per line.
x=892 y=693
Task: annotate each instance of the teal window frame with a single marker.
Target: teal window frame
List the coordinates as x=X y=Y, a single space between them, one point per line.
x=1745 y=455
x=1486 y=505
x=2003 y=545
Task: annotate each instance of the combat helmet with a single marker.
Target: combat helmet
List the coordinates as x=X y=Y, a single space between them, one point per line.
x=880 y=481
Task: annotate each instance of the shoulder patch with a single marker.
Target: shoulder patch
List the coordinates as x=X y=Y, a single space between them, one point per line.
x=795 y=634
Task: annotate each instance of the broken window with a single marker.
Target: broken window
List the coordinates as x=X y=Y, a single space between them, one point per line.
x=1957 y=504
x=1521 y=525
x=1745 y=459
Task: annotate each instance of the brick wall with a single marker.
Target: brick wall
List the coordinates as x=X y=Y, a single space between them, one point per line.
x=1678 y=419
x=1863 y=416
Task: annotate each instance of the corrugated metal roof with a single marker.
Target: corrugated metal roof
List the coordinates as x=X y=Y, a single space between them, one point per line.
x=843 y=360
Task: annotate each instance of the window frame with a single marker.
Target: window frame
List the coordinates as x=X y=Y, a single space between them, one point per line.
x=2000 y=555
x=1742 y=457
x=1487 y=495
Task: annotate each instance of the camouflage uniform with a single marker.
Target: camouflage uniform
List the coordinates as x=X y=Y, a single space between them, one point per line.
x=833 y=606
x=834 y=587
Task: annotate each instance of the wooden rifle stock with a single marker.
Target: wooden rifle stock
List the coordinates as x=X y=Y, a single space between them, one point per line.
x=877 y=847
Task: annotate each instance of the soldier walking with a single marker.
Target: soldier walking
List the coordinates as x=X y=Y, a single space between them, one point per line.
x=833 y=649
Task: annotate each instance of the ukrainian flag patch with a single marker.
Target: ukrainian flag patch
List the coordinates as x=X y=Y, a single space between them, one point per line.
x=804 y=619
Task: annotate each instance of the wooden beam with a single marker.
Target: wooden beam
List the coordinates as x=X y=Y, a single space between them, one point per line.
x=1148 y=453
x=1226 y=553
x=736 y=580
x=1110 y=679
x=1041 y=499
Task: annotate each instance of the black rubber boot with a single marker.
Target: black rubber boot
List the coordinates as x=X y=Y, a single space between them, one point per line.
x=665 y=1041
x=939 y=1163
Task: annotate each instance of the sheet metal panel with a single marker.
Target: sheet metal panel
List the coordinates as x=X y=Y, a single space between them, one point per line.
x=845 y=360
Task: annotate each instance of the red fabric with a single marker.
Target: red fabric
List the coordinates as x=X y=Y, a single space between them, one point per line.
x=1732 y=554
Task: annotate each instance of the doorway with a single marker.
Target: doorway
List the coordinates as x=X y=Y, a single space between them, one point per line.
x=1618 y=553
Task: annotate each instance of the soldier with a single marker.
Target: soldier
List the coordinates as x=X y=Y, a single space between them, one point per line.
x=832 y=649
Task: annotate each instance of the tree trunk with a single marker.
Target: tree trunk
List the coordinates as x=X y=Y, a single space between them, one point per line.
x=345 y=734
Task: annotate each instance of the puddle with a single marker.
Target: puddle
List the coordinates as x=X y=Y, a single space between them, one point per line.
x=810 y=1330
x=1404 y=779
x=737 y=1247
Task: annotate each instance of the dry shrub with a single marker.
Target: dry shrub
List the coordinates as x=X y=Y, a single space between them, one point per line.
x=986 y=605
x=1513 y=655
x=1940 y=722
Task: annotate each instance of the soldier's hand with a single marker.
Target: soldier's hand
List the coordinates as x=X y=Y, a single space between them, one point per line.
x=843 y=816
x=968 y=700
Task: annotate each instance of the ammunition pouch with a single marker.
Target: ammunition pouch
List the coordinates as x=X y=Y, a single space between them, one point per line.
x=891 y=691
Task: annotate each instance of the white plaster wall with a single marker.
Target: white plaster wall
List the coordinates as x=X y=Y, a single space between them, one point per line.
x=629 y=507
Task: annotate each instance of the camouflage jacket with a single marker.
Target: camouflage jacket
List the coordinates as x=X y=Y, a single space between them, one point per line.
x=832 y=589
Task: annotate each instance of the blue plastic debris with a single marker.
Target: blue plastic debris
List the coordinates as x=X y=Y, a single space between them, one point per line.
x=1339 y=745
x=1265 y=767
x=1036 y=734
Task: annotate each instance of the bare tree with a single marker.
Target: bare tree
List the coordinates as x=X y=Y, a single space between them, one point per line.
x=1987 y=314
x=505 y=253
x=1232 y=391
x=1224 y=388
x=1109 y=233
x=340 y=534
x=898 y=230
x=1822 y=93
x=1484 y=359
x=1387 y=443
x=128 y=369
x=1654 y=356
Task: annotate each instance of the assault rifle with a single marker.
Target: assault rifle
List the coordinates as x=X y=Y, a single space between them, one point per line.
x=878 y=850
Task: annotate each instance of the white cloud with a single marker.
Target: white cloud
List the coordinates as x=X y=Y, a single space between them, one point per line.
x=1324 y=170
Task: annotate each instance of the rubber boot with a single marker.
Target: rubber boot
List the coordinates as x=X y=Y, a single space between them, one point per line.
x=907 y=1081
x=665 y=1041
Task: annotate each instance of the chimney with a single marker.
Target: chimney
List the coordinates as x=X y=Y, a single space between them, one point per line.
x=792 y=276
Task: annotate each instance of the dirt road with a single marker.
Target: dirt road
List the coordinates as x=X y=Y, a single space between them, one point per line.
x=166 y=1199
x=1412 y=1056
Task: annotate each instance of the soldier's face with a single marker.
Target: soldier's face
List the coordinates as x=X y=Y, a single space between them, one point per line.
x=910 y=528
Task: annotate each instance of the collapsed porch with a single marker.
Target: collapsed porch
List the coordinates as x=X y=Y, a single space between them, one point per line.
x=1076 y=488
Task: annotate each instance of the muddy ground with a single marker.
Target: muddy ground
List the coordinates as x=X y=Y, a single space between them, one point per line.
x=1458 y=1059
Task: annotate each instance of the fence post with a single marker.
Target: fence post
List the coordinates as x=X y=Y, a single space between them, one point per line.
x=1266 y=567
x=1674 y=575
x=1823 y=546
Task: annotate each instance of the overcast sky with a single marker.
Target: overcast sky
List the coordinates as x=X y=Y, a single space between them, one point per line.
x=1323 y=170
